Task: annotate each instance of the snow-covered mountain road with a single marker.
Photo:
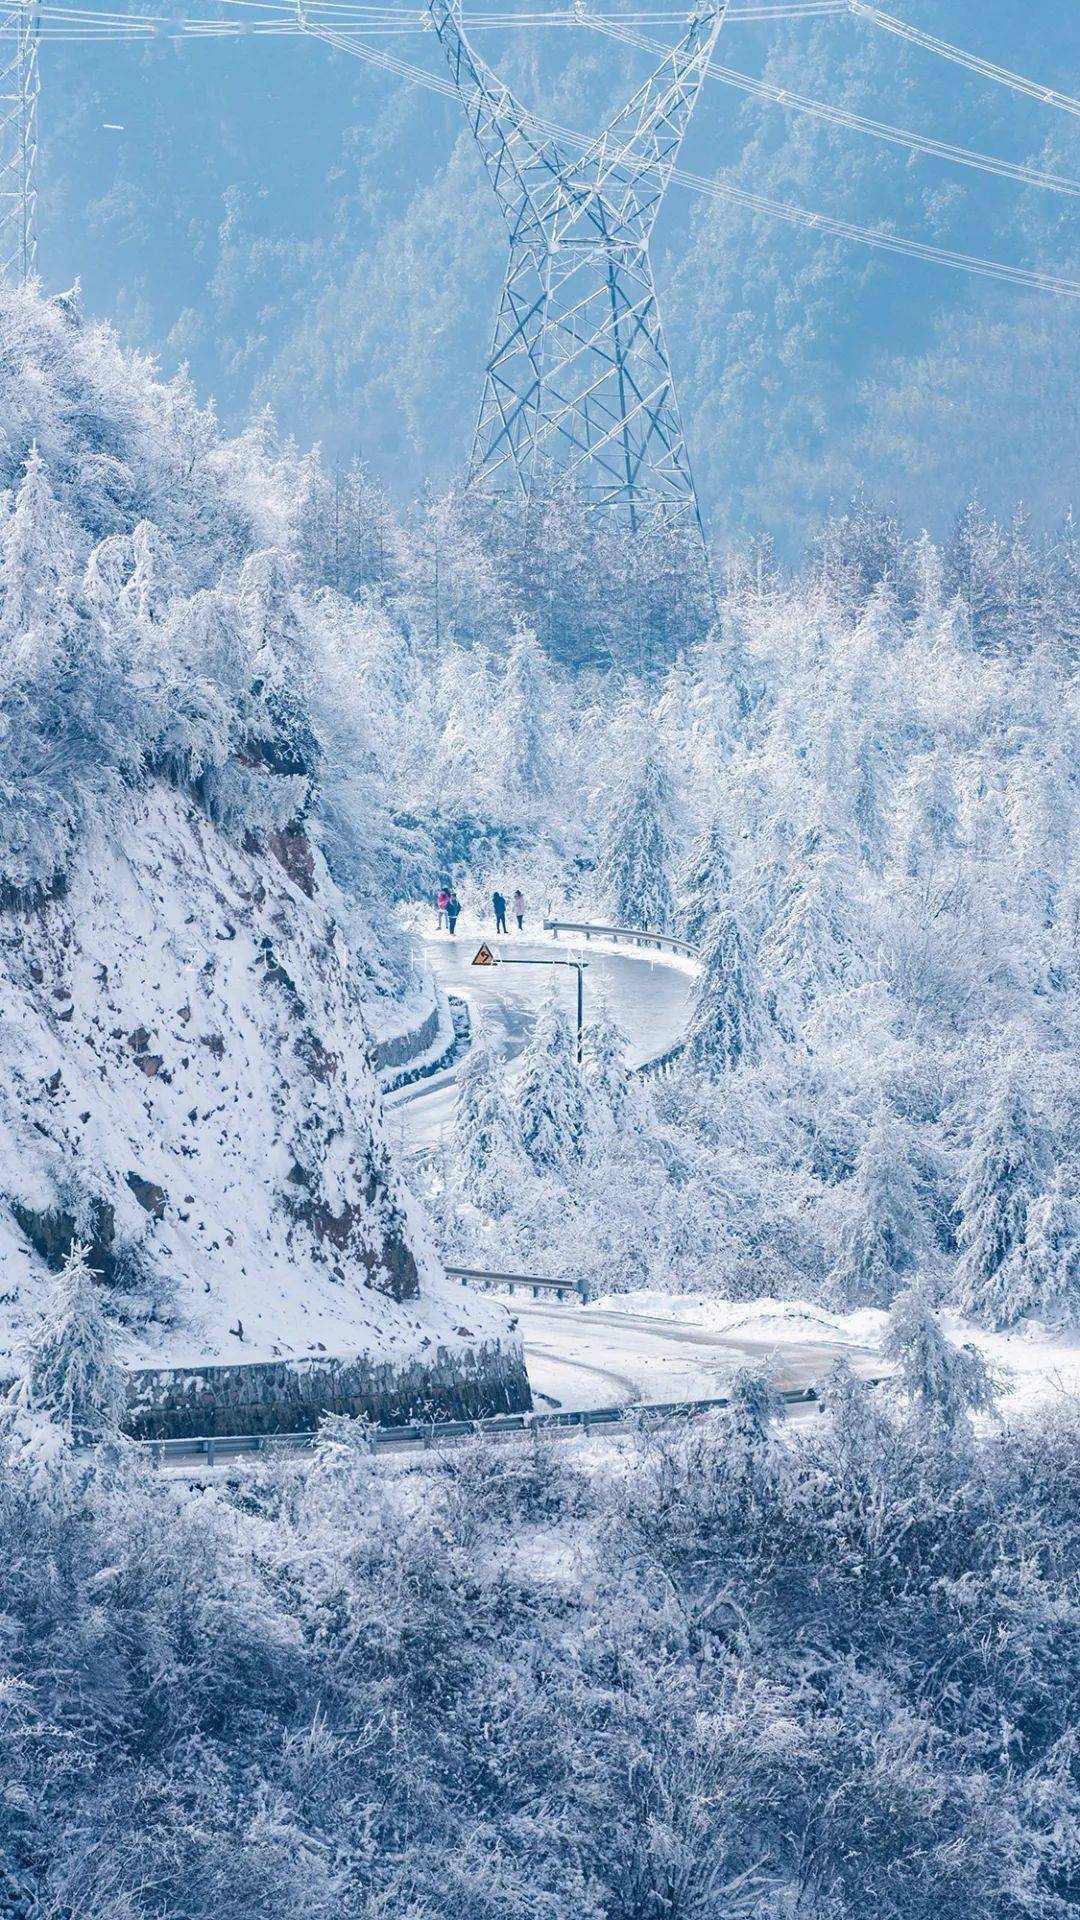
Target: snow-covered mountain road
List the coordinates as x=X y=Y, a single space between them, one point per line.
x=594 y=1357
x=648 y=993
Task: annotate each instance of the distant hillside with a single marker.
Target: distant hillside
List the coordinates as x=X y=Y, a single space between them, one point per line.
x=313 y=233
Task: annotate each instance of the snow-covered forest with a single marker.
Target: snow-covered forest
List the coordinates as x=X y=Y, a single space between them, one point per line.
x=251 y=715
x=854 y=789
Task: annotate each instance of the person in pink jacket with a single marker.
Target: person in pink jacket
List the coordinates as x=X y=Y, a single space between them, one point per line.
x=442 y=902
x=518 y=904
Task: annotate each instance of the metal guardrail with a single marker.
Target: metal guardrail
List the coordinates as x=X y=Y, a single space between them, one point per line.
x=639 y=936
x=539 y=1283
x=423 y=1436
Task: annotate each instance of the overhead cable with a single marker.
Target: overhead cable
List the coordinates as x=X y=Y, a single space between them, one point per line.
x=1027 y=277
x=1049 y=96
x=842 y=116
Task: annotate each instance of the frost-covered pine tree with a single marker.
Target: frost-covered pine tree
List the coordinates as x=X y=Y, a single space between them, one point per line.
x=1003 y=1175
x=70 y=1370
x=706 y=882
x=634 y=876
x=809 y=942
x=280 y=733
x=486 y=1155
x=154 y=581
x=929 y=812
x=604 y=1070
x=525 y=718
x=551 y=1095
x=37 y=565
x=881 y=1227
x=727 y=1021
x=939 y=1381
x=1052 y=1250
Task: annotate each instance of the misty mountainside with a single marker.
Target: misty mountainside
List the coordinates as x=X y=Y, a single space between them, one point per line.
x=313 y=233
x=187 y=1085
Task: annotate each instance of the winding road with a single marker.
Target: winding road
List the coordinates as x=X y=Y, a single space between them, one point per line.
x=598 y=1357
x=648 y=995
x=591 y=1356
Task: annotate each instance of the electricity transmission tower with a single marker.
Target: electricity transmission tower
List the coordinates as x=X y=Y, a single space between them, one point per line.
x=19 y=34
x=578 y=386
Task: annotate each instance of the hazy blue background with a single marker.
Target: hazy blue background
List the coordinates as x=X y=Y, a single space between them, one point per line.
x=307 y=232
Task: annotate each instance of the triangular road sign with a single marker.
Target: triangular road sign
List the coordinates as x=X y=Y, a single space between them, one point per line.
x=485 y=957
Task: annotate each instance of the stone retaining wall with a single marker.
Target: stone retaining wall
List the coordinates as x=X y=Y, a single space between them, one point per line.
x=287 y=1396
x=405 y=1046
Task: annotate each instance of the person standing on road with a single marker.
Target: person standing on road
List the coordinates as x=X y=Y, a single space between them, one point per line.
x=499 y=905
x=453 y=908
x=442 y=901
x=519 y=908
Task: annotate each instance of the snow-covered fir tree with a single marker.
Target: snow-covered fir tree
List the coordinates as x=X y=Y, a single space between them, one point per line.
x=526 y=715
x=941 y=1382
x=70 y=1370
x=37 y=574
x=605 y=1071
x=881 y=1229
x=634 y=877
x=705 y=883
x=551 y=1095
x=1051 y=1280
x=486 y=1155
x=1004 y=1172
x=928 y=811
x=727 y=1020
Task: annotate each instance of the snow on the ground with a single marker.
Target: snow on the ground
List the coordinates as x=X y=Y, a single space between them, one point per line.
x=1034 y=1362
x=630 y=1348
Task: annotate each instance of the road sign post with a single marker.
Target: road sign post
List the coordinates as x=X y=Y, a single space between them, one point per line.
x=485 y=957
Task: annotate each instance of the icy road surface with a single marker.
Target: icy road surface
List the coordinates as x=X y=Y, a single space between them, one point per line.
x=648 y=996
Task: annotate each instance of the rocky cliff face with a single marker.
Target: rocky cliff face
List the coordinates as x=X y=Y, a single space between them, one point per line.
x=186 y=1084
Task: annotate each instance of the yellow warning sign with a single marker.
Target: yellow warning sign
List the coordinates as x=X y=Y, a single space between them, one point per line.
x=485 y=958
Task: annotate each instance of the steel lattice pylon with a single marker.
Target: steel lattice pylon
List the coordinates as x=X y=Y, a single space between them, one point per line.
x=578 y=387
x=20 y=28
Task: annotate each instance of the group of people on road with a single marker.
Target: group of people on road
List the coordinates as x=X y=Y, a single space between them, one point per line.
x=448 y=907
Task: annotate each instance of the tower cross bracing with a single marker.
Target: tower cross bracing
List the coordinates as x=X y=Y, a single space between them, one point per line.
x=578 y=385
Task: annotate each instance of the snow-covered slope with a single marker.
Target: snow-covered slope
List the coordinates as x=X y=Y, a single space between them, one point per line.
x=186 y=1084
x=197 y=869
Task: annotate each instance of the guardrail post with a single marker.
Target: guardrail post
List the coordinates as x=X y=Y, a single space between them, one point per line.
x=211 y=1451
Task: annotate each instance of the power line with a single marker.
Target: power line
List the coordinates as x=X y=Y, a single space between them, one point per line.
x=278 y=18
x=1049 y=96
x=842 y=116
x=756 y=203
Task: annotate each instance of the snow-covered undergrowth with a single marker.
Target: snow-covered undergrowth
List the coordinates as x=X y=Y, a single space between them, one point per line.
x=195 y=884
x=712 y=1673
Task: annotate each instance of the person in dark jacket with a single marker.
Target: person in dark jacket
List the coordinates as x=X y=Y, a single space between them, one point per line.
x=452 y=911
x=499 y=905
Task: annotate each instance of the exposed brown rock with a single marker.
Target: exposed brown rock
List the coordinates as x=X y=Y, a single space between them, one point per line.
x=152 y=1198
